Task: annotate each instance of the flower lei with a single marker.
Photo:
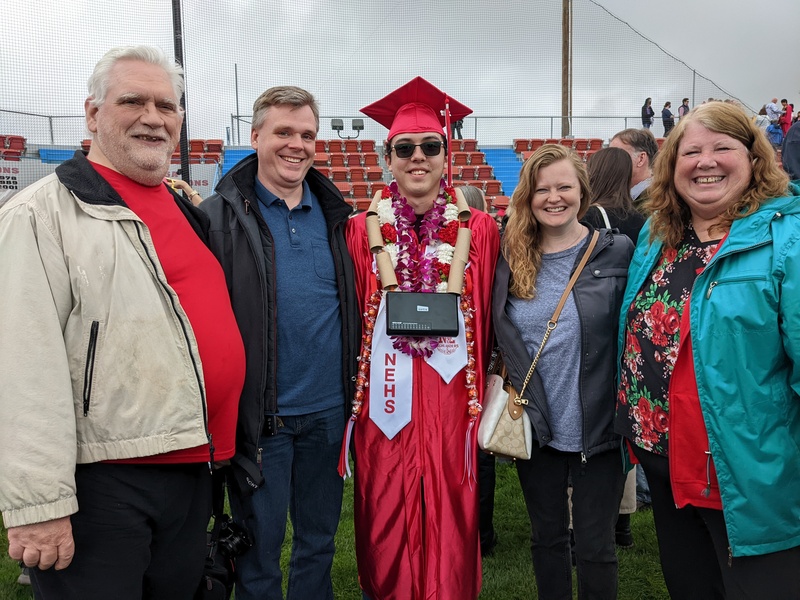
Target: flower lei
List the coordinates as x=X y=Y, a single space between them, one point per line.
x=440 y=225
x=417 y=270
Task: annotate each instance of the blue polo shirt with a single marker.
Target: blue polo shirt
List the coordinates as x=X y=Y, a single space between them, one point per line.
x=309 y=324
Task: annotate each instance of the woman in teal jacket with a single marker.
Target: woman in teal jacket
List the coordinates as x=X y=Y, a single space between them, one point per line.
x=709 y=395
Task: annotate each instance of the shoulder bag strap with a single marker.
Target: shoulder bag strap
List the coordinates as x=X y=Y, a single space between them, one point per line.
x=551 y=324
x=605 y=215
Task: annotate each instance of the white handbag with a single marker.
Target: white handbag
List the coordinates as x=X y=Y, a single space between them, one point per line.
x=505 y=427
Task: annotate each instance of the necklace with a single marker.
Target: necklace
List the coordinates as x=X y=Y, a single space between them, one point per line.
x=423 y=266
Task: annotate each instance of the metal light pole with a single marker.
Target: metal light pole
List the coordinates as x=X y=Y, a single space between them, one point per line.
x=566 y=66
x=177 y=33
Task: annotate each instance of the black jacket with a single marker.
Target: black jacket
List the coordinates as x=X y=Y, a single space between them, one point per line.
x=241 y=240
x=598 y=298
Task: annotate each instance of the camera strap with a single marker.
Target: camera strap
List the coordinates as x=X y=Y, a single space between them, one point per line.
x=217 y=502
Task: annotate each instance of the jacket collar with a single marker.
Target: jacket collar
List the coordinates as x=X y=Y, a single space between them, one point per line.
x=80 y=178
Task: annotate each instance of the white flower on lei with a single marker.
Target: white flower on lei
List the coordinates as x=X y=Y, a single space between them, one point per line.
x=445 y=253
x=385 y=212
x=450 y=213
x=391 y=250
x=441 y=287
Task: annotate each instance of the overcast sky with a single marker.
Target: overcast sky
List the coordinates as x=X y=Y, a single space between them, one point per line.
x=500 y=57
x=750 y=48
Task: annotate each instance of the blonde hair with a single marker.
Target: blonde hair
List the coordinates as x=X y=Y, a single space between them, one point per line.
x=522 y=240
x=670 y=213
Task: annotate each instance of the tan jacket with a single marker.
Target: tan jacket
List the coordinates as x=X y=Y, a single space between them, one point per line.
x=97 y=357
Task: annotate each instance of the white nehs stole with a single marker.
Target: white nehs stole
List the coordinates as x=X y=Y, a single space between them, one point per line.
x=392 y=373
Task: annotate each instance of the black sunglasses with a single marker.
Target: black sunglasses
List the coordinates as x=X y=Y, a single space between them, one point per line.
x=428 y=149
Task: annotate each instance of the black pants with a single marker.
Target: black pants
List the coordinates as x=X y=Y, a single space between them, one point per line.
x=140 y=532
x=596 y=494
x=486 y=485
x=693 y=543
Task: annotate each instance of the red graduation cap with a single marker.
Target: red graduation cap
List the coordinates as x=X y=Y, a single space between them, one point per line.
x=417 y=107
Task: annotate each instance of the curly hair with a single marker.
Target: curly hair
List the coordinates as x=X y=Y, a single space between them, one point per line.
x=522 y=240
x=671 y=214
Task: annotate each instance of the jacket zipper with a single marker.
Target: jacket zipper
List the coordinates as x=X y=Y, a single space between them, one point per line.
x=707 y=492
x=88 y=373
x=256 y=255
x=186 y=338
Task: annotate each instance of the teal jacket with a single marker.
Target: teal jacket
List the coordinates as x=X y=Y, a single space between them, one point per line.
x=745 y=328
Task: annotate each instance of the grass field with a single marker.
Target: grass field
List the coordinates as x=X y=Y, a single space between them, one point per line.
x=507 y=575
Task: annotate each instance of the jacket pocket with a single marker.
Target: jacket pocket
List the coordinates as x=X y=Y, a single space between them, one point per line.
x=88 y=373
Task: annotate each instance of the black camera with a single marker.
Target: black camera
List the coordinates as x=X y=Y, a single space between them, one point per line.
x=233 y=538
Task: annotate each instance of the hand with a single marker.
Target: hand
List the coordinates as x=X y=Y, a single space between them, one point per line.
x=179 y=184
x=43 y=544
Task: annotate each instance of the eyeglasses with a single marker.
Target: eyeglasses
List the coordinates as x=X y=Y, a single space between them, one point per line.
x=428 y=149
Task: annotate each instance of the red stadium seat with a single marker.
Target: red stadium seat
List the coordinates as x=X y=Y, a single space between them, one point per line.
x=339 y=173
x=376 y=187
x=477 y=158
x=467 y=172
x=493 y=187
x=374 y=173
x=351 y=146
x=460 y=158
x=360 y=189
x=367 y=146
x=499 y=202
x=522 y=145
x=322 y=159
x=370 y=159
x=354 y=159
x=197 y=146
x=344 y=187
x=214 y=146
x=469 y=145
x=337 y=159
x=321 y=146
x=358 y=173
x=484 y=172
x=335 y=146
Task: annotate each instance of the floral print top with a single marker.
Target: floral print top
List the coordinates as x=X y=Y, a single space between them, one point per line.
x=652 y=336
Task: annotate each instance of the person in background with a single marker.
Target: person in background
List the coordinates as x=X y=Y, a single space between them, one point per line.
x=774 y=135
x=709 y=344
x=277 y=227
x=486 y=462
x=105 y=473
x=612 y=207
x=787 y=115
x=475 y=197
x=641 y=145
x=570 y=397
x=790 y=154
x=684 y=108
x=773 y=110
x=667 y=118
x=456 y=127
x=609 y=180
x=414 y=422
x=647 y=113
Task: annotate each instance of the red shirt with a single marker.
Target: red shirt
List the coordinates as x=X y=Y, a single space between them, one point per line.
x=197 y=278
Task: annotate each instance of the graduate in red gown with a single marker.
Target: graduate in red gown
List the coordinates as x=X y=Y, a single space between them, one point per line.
x=417 y=405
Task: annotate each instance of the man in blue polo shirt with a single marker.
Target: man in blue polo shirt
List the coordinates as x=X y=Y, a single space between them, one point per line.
x=277 y=228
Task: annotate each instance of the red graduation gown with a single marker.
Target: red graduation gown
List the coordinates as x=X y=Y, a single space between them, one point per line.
x=416 y=514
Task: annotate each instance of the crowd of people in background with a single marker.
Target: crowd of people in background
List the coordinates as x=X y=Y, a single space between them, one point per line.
x=646 y=305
